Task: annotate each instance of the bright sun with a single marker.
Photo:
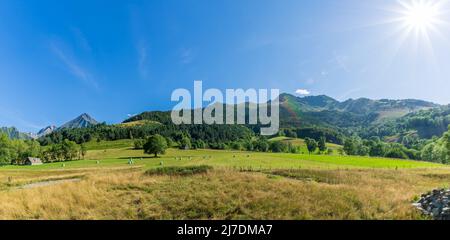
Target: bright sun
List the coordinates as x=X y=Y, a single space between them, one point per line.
x=420 y=15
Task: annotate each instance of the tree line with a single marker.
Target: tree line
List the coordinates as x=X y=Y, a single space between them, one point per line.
x=213 y=134
x=438 y=149
x=17 y=151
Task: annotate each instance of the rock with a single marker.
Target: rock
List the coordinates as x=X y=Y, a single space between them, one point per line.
x=435 y=204
x=435 y=212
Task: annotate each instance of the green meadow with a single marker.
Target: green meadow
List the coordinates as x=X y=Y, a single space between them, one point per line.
x=227 y=185
x=119 y=154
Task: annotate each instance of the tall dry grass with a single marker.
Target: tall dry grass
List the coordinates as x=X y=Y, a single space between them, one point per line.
x=226 y=194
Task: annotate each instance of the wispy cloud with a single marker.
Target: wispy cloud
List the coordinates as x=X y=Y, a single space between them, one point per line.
x=143 y=59
x=72 y=66
x=340 y=62
x=140 y=40
x=302 y=92
x=187 y=55
x=81 y=39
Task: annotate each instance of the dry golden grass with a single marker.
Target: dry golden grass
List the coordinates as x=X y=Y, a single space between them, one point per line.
x=224 y=194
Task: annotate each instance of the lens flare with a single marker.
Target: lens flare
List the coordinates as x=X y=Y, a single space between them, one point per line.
x=421 y=15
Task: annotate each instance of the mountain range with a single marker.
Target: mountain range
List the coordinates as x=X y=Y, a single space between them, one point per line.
x=357 y=106
x=45 y=131
x=82 y=121
x=13 y=133
x=364 y=115
x=324 y=110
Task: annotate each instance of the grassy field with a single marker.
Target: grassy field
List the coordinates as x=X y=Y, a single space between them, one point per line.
x=240 y=185
x=139 y=123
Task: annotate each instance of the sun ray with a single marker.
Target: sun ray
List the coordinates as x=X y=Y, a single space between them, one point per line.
x=423 y=20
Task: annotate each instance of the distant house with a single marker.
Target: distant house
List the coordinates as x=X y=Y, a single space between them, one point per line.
x=33 y=161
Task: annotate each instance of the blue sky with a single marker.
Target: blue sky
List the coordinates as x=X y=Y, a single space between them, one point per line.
x=59 y=59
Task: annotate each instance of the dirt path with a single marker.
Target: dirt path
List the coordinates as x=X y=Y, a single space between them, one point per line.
x=48 y=183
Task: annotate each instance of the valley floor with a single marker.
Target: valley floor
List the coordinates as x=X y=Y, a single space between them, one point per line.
x=241 y=185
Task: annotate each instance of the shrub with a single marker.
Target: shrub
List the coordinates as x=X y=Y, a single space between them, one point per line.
x=236 y=146
x=185 y=143
x=278 y=147
x=311 y=144
x=396 y=153
x=294 y=149
x=248 y=146
x=261 y=145
x=180 y=171
x=139 y=144
x=330 y=151
x=199 y=144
